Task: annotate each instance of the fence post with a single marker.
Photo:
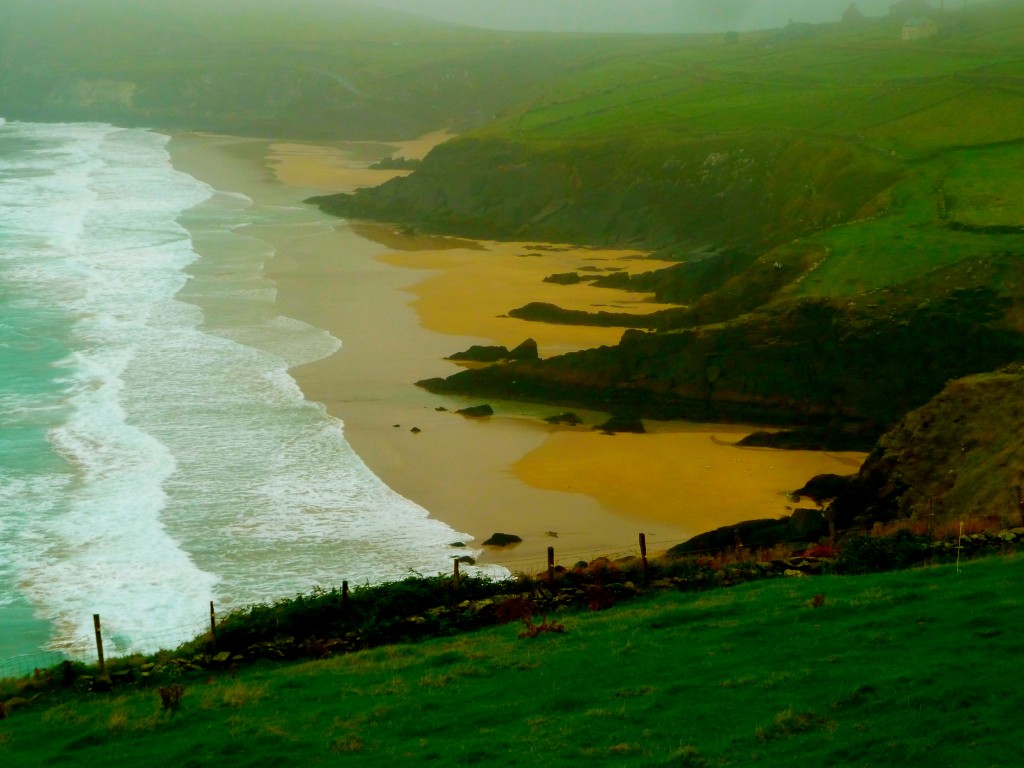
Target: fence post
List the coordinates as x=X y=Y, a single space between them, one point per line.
x=344 y=594
x=551 y=566
x=643 y=555
x=213 y=626
x=99 y=642
x=455 y=577
x=1020 y=505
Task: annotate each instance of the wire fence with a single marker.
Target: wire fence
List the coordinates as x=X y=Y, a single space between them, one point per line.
x=26 y=663
x=118 y=640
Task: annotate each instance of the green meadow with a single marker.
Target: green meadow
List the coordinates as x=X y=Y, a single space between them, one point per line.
x=901 y=668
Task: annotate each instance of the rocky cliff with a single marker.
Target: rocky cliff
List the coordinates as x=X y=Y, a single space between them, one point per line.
x=956 y=458
x=744 y=193
x=802 y=361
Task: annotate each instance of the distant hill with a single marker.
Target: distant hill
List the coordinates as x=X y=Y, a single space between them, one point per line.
x=295 y=68
x=845 y=207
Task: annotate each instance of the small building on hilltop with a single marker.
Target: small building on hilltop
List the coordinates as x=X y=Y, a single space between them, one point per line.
x=918 y=28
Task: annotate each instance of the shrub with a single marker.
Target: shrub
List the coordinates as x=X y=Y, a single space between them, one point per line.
x=871 y=554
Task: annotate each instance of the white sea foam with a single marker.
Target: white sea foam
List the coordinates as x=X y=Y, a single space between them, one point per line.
x=185 y=463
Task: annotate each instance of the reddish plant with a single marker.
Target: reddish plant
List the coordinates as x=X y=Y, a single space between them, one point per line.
x=819 y=550
x=532 y=630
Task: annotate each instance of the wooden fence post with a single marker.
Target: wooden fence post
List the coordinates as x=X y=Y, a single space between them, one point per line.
x=643 y=555
x=213 y=626
x=551 y=566
x=99 y=642
x=455 y=577
x=344 y=594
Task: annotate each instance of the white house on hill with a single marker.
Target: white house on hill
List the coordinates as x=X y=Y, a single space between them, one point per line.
x=918 y=28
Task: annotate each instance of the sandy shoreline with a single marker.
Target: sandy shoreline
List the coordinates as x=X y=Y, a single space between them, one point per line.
x=401 y=304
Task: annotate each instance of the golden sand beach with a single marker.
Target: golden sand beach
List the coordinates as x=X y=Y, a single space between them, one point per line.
x=402 y=303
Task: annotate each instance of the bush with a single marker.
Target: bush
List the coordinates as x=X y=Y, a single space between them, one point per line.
x=872 y=554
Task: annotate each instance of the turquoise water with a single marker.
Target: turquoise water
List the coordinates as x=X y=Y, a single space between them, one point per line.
x=151 y=458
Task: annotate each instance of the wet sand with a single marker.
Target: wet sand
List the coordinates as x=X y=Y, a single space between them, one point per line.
x=401 y=303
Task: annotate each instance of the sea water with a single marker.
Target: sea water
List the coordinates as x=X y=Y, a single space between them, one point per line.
x=155 y=457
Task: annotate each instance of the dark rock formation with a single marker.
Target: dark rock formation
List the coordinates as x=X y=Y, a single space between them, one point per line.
x=822 y=488
x=481 y=354
x=807 y=524
x=564 y=278
x=830 y=437
x=954 y=458
x=496 y=354
x=802 y=527
x=568 y=417
x=525 y=351
x=810 y=362
x=476 y=411
x=502 y=540
x=750 y=533
x=623 y=424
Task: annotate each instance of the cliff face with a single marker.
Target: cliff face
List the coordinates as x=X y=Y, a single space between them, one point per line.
x=955 y=458
x=800 y=361
x=747 y=193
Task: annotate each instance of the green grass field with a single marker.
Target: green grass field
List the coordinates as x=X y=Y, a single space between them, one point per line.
x=947 y=112
x=912 y=667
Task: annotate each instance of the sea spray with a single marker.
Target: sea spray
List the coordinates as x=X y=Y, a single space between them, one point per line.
x=153 y=460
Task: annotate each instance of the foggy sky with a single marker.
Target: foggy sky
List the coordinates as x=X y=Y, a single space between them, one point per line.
x=632 y=15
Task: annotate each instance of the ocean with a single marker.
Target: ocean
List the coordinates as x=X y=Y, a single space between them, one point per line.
x=154 y=456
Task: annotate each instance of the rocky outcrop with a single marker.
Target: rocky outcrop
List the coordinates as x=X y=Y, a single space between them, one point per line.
x=800 y=362
x=525 y=351
x=747 y=191
x=804 y=525
x=564 y=278
x=566 y=417
x=477 y=353
x=502 y=540
x=476 y=411
x=481 y=354
x=955 y=458
x=622 y=424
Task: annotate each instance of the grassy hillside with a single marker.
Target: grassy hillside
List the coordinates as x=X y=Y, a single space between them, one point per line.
x=295 y=68
x=779 y=135
x=844 y=206
x=892 y=669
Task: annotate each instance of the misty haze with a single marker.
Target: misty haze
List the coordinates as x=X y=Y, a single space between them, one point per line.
x=510 y=382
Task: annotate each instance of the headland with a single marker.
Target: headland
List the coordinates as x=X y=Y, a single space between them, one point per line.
x=401 y=303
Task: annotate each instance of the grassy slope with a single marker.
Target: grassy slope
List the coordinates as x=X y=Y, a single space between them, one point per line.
x=895 y=669
x=848 y=128
x=295 y=68
x=848 y=162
